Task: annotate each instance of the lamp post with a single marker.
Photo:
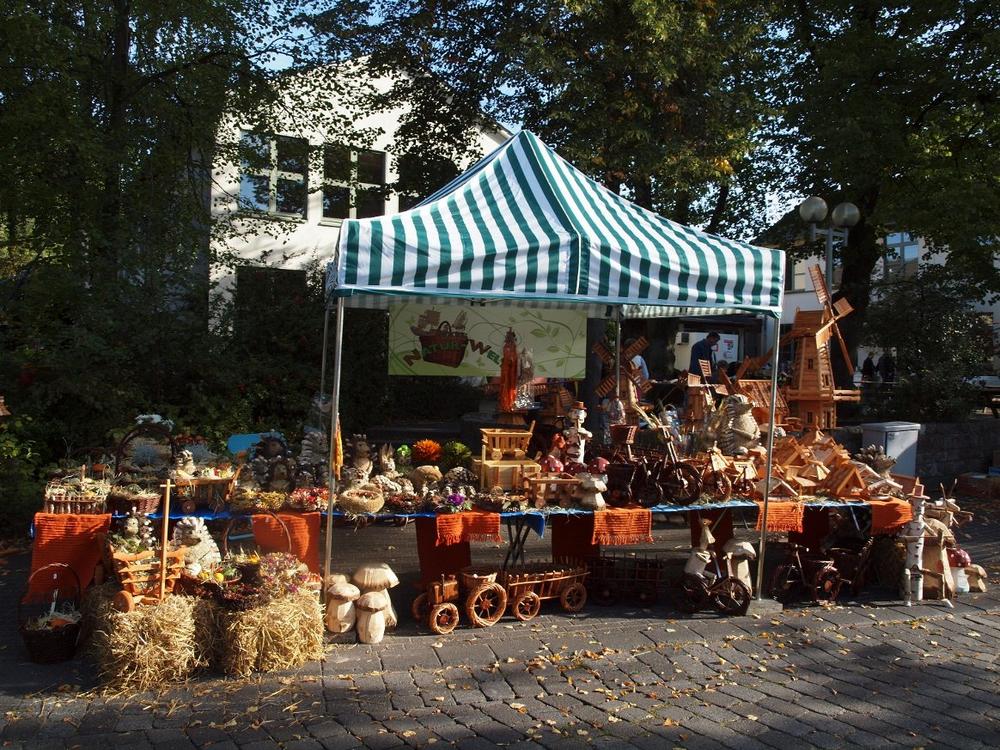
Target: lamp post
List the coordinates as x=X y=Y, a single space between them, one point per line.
x=844 y=216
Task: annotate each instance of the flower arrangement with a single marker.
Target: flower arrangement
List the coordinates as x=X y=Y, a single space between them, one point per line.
x=309 y=498
x=282 y=573
x=454 y=503
x=426 y=452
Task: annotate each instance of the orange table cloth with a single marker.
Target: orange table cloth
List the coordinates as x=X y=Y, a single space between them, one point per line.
x=888 y=515
x=302 y=540
x=782 y=515
x=614 y=526
x=67 y=538
x=470 y=526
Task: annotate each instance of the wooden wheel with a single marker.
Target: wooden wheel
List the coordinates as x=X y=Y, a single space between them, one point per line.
x=718 y=484
x=731 y=596
x=826 y=585
x=443 y=618
x=123 y=601
x=785 y=576
x=420 y=609
x=526 y=606
x=693 y=595
x=680 y=482
x=486 y=604
x=573 y=597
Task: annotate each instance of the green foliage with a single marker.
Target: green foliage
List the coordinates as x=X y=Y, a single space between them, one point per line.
x=938 y=339
x=650 y=98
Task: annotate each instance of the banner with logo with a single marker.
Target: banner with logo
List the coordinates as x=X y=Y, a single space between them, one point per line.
x=467 y=340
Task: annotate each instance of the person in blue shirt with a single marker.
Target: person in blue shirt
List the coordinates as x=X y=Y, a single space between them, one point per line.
x=704 y=349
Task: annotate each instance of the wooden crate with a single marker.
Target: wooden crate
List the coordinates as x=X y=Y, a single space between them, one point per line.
x=508 y=474
x=543 y=490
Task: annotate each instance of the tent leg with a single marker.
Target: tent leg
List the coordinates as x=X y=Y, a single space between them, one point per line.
x=618 y=353
x=322 y=366
x=338 y=340
x=770 y=453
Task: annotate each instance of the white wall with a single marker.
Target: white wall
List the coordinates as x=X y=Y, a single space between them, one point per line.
x=294 y=243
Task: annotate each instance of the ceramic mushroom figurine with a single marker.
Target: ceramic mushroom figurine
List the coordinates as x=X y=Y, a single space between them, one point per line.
x=378 y=577
x=340 y=612
x=371 y=621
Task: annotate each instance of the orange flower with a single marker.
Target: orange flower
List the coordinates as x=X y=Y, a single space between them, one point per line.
x=426 y=452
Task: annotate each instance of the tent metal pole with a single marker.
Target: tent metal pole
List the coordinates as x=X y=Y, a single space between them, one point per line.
x=322 y=366
x=770 y=453
x=338 y=340
x=618 y=353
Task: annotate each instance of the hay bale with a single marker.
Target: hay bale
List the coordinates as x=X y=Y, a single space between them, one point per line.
x=286 y=632
x=143 y=649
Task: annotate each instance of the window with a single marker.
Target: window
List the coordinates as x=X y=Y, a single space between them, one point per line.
x=795 y=275
x=902 y=256
x=273 y=173
x=353 y=183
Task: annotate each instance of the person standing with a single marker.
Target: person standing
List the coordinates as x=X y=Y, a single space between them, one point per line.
x=868 y=369
x=704 y=349
x=887 y=367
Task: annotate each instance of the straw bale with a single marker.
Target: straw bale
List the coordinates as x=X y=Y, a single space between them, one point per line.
x=286 y=632
x=143 y=649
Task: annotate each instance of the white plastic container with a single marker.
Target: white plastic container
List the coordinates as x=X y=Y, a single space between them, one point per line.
x=898 y=439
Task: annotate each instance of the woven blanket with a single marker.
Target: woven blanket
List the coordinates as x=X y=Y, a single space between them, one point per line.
x=623 y=526
x=302 y=539
x=889 y=515
x=67 y=538
x=782 y=515
x=470 y=526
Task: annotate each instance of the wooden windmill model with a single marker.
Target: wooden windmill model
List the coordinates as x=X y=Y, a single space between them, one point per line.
x=631 y=376
x=812 y=395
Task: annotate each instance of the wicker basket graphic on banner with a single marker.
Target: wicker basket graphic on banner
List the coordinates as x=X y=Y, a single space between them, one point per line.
x=443 y=345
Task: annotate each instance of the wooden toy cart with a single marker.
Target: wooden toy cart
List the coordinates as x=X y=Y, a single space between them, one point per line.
x=484 y=600
x=528 y=585
x=550 y=490
x=140 y=577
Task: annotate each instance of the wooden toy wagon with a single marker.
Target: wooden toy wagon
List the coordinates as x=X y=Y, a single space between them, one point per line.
x=482 y=598
x=528 y=585
x=140 y=575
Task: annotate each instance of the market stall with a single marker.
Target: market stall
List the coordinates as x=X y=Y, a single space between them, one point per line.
x=524 y=228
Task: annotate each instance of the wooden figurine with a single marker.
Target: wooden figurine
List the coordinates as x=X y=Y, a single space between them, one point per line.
x=741 y=553
x=700 y=556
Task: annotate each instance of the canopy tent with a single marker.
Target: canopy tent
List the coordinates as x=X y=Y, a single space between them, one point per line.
x=524 y=227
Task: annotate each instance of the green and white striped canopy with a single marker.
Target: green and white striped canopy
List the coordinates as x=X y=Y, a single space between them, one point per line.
x=525 y=227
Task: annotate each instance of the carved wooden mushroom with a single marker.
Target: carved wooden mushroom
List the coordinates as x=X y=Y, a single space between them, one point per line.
x=371 y=609
x=378 y=577
x=340 y=611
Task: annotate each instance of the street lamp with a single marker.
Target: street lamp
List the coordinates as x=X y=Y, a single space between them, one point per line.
x=844 y=216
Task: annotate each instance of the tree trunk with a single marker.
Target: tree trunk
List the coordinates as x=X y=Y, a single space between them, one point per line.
x=721 y=201
x=643 y=187
x=859 y=259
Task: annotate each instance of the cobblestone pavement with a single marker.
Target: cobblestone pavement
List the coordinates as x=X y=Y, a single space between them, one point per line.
x=869 y=674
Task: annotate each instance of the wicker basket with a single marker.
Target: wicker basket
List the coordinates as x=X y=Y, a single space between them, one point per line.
x=472 y=576
x=359 y=501
x=62 y=499
x=123 y=502
x=50 y=646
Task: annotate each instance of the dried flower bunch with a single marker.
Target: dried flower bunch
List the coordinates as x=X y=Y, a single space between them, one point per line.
x=309 y=498
x=282 y=573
